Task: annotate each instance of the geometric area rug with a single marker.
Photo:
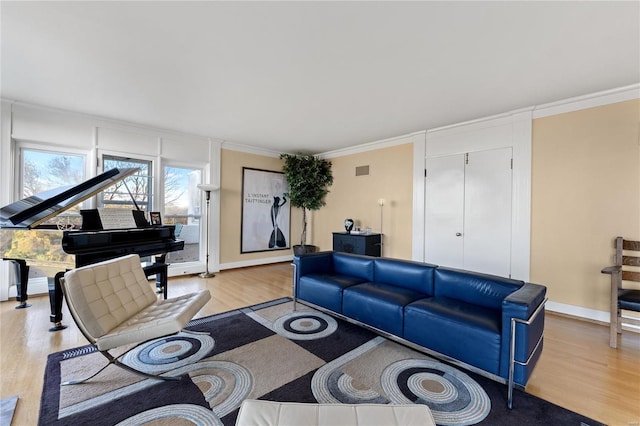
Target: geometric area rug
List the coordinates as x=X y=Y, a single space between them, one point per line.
x=270 y=352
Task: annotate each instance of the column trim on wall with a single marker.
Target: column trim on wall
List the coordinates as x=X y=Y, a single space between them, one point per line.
x=214 y=178
x=6 y=180
x=417 y=242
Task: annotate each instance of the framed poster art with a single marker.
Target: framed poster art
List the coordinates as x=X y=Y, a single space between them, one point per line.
x=266 y=212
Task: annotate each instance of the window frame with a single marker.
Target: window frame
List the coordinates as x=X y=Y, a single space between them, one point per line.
x=154 y=184
x=191 y=266
x=21 y=146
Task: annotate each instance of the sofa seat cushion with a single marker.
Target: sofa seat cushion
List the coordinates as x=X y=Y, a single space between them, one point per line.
x=378 y=305
x=631 y=300
x=325 y=289
x=463 y=331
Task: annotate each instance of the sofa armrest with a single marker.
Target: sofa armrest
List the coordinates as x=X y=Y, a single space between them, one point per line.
x=523 y=302
x=611 y=270
x=308 y=264
x=526 y=306
x=522 y=305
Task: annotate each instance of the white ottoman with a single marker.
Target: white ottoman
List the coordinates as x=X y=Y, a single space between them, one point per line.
x=268 y=413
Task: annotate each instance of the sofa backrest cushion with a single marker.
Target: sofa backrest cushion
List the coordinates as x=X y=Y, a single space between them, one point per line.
x=473 y=287
x=309 y=263
x=353 y=265
x=402 y=273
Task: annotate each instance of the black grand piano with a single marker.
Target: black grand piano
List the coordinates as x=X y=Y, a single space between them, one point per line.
x=91 y=243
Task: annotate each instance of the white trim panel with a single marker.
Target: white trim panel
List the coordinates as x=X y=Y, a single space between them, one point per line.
x=585 y=313
x=256 y=262
x=6 y=180
x=419 y=155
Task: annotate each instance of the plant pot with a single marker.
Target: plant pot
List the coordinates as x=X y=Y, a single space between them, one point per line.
x=307 y=248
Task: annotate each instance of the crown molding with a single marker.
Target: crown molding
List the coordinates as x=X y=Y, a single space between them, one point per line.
x=370 y=146
x=592 y=100
x=235 y=146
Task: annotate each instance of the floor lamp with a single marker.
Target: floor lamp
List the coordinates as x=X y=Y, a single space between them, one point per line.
x=207 y=190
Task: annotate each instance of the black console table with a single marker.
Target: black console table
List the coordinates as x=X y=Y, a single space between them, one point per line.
x=367 y=244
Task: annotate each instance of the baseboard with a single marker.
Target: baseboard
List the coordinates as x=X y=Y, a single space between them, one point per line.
x=585 y=313
x=39 y=285
x=256 y=262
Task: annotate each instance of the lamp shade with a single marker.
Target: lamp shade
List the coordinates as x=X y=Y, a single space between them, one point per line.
x=207 y=187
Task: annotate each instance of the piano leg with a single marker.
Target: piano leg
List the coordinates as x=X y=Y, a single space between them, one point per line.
x=21 y=287
x=161 y=272
x=55 y=300
x=161 y=279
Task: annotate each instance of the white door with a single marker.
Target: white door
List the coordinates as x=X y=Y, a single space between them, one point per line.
x=444 y=207
x=487 y=212
x=468 y=211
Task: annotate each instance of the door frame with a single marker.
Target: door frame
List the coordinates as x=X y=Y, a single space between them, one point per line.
x=513 y=130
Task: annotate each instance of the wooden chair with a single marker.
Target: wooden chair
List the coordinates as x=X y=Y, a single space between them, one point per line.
x=113 y=305
x=623 y=298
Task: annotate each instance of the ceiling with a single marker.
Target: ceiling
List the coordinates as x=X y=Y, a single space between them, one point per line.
x=312 y=76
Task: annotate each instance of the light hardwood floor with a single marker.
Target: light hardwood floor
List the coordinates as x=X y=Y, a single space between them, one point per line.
x=577 y=369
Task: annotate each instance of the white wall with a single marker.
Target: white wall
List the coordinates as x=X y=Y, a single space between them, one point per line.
x=55 y=129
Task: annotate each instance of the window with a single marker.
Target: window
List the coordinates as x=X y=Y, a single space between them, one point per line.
x=132 y=192
x=42 y=170
x=182 y=207
x=45 y=170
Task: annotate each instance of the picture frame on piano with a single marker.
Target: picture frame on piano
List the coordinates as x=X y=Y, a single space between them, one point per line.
x=155 y=218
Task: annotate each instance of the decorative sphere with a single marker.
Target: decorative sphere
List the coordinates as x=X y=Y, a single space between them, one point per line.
x=348 y=225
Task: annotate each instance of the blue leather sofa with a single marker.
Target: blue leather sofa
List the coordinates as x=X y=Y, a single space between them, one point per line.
x=485 y=323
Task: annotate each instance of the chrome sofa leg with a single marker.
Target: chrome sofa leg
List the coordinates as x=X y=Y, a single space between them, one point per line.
x=512 y=360
x=294 y=287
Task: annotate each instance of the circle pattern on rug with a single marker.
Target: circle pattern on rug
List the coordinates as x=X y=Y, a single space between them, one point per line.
x=305 y=325
x=453 y=397
x=169 y=352
x=194 y=414
x=342 y=388
x=223 y=384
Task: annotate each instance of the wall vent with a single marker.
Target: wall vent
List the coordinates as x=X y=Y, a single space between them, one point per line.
x=362 y=170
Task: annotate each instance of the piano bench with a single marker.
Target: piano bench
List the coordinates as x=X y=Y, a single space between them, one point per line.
x=160 y=270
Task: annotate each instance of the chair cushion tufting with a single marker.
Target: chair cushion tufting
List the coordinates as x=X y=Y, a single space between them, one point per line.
x=163 y=317
x=116 y=305
x=267 y=413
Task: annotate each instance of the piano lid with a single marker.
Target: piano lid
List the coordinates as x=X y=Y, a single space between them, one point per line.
x=32 y=211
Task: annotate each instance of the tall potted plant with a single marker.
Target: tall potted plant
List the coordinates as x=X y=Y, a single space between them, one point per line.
x=309 y=179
